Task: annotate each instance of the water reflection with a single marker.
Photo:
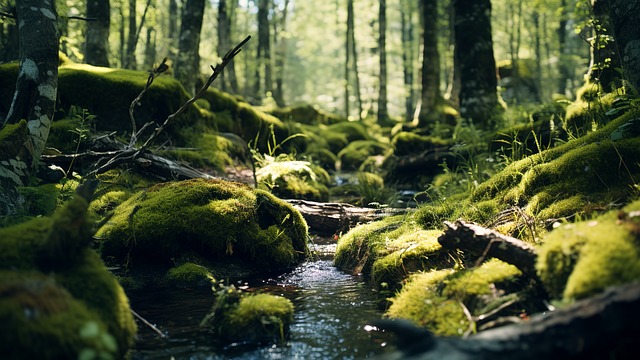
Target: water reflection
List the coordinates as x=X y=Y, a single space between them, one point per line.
x=331 y=310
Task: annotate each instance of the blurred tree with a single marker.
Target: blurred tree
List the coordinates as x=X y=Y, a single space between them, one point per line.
x=187 y=65
x=97 y=38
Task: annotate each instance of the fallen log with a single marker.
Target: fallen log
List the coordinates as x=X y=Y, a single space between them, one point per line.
x=489 y=243
x=332 y=218
x=604 y=326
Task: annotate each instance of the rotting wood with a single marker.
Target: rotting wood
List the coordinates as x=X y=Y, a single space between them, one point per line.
x=489 y=243
x=332 y=218
x=601 y=327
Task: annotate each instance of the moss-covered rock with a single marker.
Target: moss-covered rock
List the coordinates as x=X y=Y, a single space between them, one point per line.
x=217 y=223
x=305 y=114
x=293 y=179
x=357 y=152
x=57 y=296
x=435 y=299
x=386 y=251
x=407 y=143
x=581 y=259
x=188 y=275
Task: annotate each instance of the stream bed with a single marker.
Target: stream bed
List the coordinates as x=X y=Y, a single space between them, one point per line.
x=331 y=311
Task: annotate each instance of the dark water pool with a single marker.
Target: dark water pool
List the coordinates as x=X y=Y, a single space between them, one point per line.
x=331 y=311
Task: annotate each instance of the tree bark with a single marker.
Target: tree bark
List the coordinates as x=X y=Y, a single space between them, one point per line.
x=187 y=66
x=431 y=96
x=478 y=91
x=34 y=98
x=604 y=326
x=605 y=56
x=407 y=57
x=131 y=37
x=383 y=114
x=563 y=70
x=332 y=218
x=624 y=16
x=224 y=39
x=352 y=61
x=97 y=38
x=264 y=70
x=281 y=55
x=488 y=243
x=150 y=48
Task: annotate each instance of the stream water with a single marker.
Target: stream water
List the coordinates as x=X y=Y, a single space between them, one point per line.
x=331 y=311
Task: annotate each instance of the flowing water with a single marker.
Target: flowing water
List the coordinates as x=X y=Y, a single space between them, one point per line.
x=332 y=309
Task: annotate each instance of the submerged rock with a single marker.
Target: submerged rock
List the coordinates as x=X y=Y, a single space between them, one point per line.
x=227 y=227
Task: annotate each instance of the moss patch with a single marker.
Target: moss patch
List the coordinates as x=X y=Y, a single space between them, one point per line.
x=581 y=259
x=434 y=299
x=189 y=275
x=212 y=220
x=78 y=306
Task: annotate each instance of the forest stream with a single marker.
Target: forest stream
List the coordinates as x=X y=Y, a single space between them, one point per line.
x=332 y=309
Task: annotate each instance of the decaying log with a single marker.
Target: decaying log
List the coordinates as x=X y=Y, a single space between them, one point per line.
x=332 y=218
x=489 y=243
x=601 y=327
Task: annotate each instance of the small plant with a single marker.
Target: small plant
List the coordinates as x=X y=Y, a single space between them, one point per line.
x=86 y=124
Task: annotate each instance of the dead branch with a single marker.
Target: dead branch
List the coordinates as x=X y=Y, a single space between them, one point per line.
x=490 y=243
x=131 y=154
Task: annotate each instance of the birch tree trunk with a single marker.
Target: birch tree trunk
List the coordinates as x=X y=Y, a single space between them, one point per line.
x=187 y=66
x=33 y=101
x=97 y=39
x=407 y=57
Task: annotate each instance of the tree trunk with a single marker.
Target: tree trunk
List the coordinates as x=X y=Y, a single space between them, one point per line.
x=122 y=35
x=187 y=66
x=131 y=37
x=453 y=91
x=407 y=57
x=172 y=32
x=624 y=16
x=150 y=49
x=264 y=70
x=351 y=48
x=382 y=44
x=231 y=68
x=224 y=29
x=478 y=90
x=605 y=55
x=97 y=38
x=563 y=69
x=281 y=55
x=431 y=96
x=34 y=99
x=538 y=56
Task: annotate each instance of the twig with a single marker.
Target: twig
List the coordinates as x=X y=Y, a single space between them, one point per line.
x=152 y=75
x=131 y=153
x=150 y=325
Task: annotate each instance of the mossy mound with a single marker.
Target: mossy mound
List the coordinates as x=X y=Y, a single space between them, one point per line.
x=188 y=275
x=58 y=297
x=581 y=259
x=386 y=251
x=250 y=318
x=582 y=175
x=357 y=152
x=407 y=143
x=215 y=223
x=305 y=114
x=435 y=299
x=292 y=179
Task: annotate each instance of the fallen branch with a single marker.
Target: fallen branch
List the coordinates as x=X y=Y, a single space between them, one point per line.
x=332 y=218
x=601 y=327
x=489 y=243
x=131 y=153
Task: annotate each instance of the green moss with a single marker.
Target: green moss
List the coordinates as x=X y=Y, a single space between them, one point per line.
x=256 y=318
x=293 y=179
x=219 y=221
x=12 y=136
x=47 y=322
x=433 y=299
x=40 y=200
x=86 y=289
x=581 y=259
x=61 y=135
x=189 y=275
x=305 y=114
x=357 y=152
x=406 y=143
x=107 y=94
x=412 y=251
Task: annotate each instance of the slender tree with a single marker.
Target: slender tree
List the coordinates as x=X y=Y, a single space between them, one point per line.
x=351 y=62
x=383 y=114
x=605 y=58
x=264 y=69
x=187 y=65
x=281 y=54
x=474 y=54
x=431 y=96
x=130 y=58
x=150 y=48
x=563 y=69
x=224 y=39
x=406 y=24
x=33 y=101
x=97 y=38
